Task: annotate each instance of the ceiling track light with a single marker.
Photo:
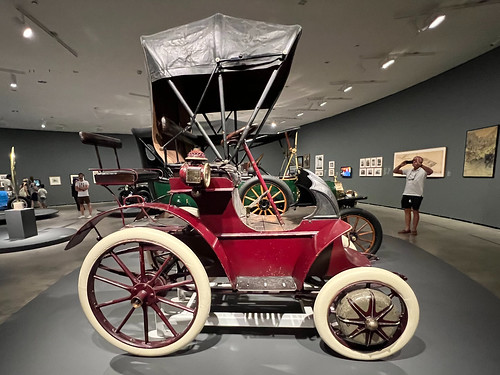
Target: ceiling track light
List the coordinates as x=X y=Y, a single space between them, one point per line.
x=433 y=22
x=387 y=63
x=438 y=20
x=44 y=28
x=13 y=82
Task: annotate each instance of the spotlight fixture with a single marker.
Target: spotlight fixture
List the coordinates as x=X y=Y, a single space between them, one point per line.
x=347 y=88
x=273 y=124
x=387 y=63
x=28 y=32
x=432 y=22
x=13 y=82
x=437 y=21
x=44 y=123
x=300 y=114
x=322 y=104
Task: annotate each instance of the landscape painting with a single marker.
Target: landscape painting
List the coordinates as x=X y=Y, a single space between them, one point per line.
x=480 y=152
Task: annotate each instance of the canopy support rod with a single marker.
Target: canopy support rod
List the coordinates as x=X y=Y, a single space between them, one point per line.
x=256 y=110
x=223 y=116
x=191 y=114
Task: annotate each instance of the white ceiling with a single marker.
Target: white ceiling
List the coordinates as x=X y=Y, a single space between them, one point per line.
x=343 y=41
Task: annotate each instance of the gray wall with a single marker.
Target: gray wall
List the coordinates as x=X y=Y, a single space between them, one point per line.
x=435 y=113
x=42 y=154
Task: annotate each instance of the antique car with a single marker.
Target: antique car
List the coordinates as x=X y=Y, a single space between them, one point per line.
x=151 y=287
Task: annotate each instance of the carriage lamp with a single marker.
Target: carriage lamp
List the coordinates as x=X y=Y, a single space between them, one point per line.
x=196 y=171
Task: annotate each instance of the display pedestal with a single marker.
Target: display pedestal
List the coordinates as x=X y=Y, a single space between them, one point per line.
x=21 y=223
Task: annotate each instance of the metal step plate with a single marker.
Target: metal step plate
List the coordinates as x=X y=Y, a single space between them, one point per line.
x=270 y=283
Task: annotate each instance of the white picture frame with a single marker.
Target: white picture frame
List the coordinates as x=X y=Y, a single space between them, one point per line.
x=362 y=172
x=54 y=180
x=318 y=162
x=377 y=172
x=369 y=172
x=380 y=161
x=331 y=164
x=434 y=158
x=319 y=172
x=331 y=172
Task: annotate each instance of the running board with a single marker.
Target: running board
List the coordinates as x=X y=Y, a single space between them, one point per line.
x=262 y=319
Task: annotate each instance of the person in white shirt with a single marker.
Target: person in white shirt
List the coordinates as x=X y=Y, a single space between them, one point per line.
x=82 y=187
x=413 y=192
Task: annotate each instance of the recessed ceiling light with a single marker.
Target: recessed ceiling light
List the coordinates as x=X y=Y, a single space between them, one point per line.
x=273 y=124
x=347 y=88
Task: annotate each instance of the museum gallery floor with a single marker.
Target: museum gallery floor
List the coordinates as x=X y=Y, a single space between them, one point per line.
x=457 y=334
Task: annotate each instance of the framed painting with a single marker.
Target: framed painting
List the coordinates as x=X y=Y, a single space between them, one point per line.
x=55 y=180
x=434 y=158
x=318 y=164
x=307 y=161
x=480 y=152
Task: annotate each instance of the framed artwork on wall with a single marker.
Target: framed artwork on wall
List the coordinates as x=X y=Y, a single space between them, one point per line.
x=300 y=161
x=379 y=161
x=362 y=172
x=362 y=163
x=434 y=158
x=377 y=172
x=55 y=180
x=307 y=161
x=318 y=162
x=480 y=152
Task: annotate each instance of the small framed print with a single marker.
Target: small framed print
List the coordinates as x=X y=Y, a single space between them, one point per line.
x=379 y=161
x=331 y=172
x=361 y=163
x=319 y=172
x=373 y=162
x=55 y=180
x=331 y=164
x=307 y=161
x=318 y=162
x=369 y=172
x=377 y=172
x=362 y=172
x=367 y=162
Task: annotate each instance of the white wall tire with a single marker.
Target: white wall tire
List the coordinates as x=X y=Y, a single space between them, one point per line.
x=89 y=285
x=335 y=288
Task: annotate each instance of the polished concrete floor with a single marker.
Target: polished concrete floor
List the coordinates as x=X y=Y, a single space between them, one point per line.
x=472 y=249
x=450 y=265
